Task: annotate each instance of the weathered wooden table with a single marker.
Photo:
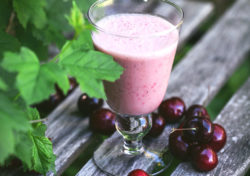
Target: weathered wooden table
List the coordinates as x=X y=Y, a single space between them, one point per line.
x=209 y=64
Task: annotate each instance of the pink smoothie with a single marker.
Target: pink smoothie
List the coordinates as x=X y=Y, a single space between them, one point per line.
x=146 y=53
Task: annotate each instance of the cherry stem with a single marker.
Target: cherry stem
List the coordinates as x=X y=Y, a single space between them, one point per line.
x=182 y=129
x=38 y=120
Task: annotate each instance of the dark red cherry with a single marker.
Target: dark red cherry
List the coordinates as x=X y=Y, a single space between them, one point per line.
x=177 y=145
x=158 y=125
x=172 y=109
x=219 y=138
x=197 y=110
x=73 y=85
x=103 y=121
x=204 y=129
x=204 y=158
x=138 y=172
x=87 y=105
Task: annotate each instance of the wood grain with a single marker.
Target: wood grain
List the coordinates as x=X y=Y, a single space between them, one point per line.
x=234 y=158
x=207 y=65
x=193 y=17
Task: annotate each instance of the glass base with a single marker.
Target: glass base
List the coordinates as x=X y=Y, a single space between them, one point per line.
x=113 y=161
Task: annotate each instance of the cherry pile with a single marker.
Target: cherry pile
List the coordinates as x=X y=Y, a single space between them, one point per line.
x=196 y=139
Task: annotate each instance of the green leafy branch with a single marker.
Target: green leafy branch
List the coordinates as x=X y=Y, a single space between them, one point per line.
x=23 y=75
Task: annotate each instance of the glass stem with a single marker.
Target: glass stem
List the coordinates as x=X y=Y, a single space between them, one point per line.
x=133 y=147
x=133 y=129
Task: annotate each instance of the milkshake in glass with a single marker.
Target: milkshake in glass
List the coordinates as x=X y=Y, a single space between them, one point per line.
x=146 y=58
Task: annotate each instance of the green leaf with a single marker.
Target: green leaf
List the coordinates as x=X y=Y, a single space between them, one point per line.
x=56 y=11
x=30 y=10
x=49 y=35
x=8 y=43
x=33 y=148
x=3 y=85
x=23 y=149
x=94 y=64
x=82 y=44
x=7 y=140
x=26 y=37
x=34 y=81
x=76 y=19
x=52 y=32
x=12 y=119
x=33 y=113
x=89 y=68
x=43 y=158
x=5 y=11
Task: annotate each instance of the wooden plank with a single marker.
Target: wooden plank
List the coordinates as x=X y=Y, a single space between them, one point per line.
x=234 y=158
x=207 y=65
x=192 y=19
x=69 y=132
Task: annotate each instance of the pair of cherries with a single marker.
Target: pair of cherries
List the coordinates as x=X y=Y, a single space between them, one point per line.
x=101 y=120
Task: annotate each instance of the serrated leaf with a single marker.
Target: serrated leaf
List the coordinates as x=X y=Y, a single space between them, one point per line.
x=82 y=44
x=93 y=87
x=24 y=143
x=76 y=19
x=12 y=119
x=94 y=64
x=30 y=10
x=8 y=43
x=34 y=81
x=33 y=113
x=43 y=158
x=89 y=68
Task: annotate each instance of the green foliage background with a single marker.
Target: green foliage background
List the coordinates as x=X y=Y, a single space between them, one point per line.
x=28 y=73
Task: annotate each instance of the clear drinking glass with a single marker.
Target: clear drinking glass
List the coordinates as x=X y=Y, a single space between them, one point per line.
x=147 y=57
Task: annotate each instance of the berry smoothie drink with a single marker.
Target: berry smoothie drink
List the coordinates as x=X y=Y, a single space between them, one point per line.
x=145 y=46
